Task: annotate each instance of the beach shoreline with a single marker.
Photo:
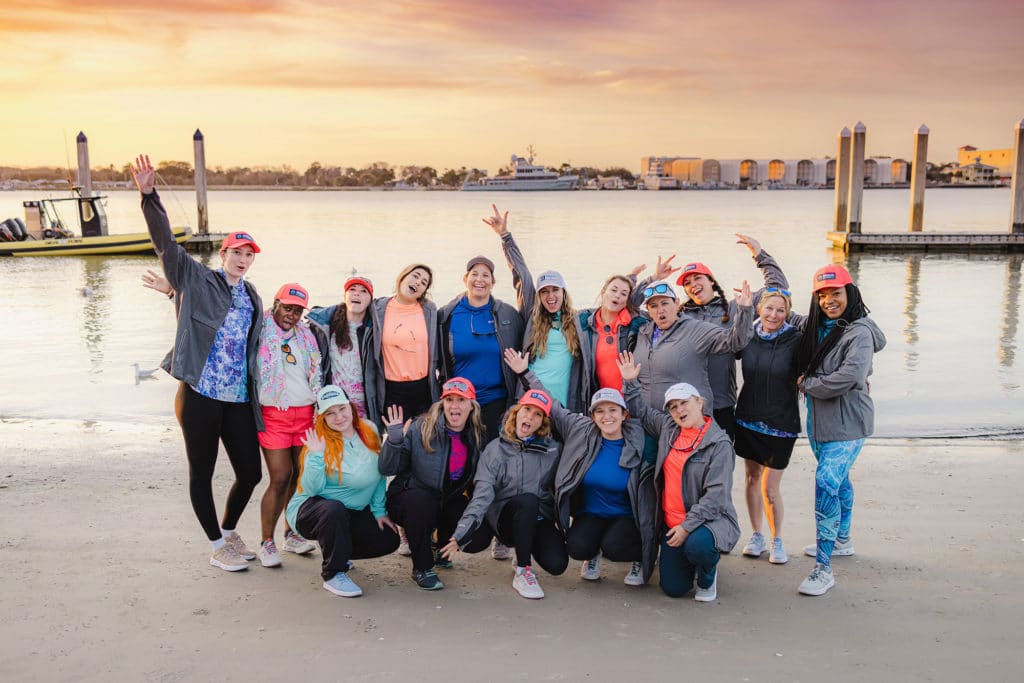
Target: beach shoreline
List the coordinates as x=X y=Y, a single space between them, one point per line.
x=105 y=577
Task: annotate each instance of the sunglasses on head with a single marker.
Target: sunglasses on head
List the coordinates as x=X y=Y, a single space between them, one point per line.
x=455 y=385
x=661 y=288
x=289 y=356
x=777 y=290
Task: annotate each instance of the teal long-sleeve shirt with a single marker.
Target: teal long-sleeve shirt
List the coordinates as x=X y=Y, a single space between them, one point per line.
x=361 y=482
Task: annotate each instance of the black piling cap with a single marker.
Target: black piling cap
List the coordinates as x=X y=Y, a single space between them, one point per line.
x=198 y=135
x=81 y=137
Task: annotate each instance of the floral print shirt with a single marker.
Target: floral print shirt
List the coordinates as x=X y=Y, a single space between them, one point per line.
x=225 y=376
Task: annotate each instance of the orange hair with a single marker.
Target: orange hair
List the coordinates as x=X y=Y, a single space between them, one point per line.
x=334 y=451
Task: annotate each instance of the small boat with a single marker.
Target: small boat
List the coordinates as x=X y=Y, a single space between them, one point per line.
x=43 y=232
x=525 y=177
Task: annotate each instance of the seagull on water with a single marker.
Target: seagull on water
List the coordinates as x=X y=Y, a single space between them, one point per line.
x=143 y=374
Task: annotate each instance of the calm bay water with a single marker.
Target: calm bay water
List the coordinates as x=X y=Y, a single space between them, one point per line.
x=951 y=367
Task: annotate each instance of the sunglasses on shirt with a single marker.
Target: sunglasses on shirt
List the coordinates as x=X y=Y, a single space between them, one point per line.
x=289 y=356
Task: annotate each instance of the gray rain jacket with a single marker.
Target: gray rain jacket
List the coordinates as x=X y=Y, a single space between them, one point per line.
x=413 y=467
x=202 y=299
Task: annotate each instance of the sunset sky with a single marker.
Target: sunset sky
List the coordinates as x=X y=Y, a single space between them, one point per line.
x=461 y=82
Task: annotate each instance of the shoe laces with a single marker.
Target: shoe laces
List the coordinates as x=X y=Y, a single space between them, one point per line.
x=270 y=546
x=592 y=564
x=636 y=569
x=817 y=574
x=528 y=576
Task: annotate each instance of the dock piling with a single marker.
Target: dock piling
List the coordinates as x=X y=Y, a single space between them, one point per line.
x=842 y=181
x=84 y=176
x=1017 y=185
x=856 y=178
x=917 y=180
x=200 y=178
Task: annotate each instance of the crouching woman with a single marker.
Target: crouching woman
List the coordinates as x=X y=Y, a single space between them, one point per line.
x=339 y=501
x=513 y=496
x=693 y=481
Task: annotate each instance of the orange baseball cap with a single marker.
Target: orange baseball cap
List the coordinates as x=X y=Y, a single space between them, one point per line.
x=293 y=293
x=831 y=276
x=459 y=386
x=359 y=280
x=237 y=239
x=694 y=268
x=538 y=399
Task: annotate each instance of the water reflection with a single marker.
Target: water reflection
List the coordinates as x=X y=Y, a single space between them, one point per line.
x=95 y=312
x=1011 y=313
x=911 y=298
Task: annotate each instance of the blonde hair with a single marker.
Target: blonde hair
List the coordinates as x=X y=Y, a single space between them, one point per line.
x=785 y=300
x=541 y=322
x=431 y=417
x=408 y=269
x=509 y=428
x=630 y=307
x=334 y=450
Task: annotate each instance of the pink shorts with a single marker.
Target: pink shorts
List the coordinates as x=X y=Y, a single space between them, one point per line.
x=284 y=428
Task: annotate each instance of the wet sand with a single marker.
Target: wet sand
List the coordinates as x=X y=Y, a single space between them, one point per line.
x=105 y=576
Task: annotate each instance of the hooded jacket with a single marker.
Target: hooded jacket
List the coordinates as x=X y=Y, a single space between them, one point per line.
x=526 y=296
x=413 y=467
x=506 y=470
x=707 y=474
x=582 y=441
x=508 y=325
x=841 y=408
x=201 y=302
x=374 y=357
x=769 y=392
x=682 y=353
x=319 y=320
x=722 y=366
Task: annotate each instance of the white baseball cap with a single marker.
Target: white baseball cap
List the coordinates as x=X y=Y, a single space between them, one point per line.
x=680 y=392
x=607 y=395
x=550 y=278
x=330 y=396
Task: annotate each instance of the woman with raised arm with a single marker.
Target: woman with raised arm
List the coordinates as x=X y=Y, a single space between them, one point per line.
x=692 y=481
x=342 y=331
x=602 y=483
x=708 y=302
x=400 y=369
x=433 y=460
x=215 y=351
x=340 y=497
x=834 y=360
x=513 y=496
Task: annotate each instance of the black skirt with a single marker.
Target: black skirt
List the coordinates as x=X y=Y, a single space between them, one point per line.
x=770 y=451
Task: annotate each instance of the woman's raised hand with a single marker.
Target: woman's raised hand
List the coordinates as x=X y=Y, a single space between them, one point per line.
x=745 y=296
x=395 y=416
x=637 y=270
x=498 y=222
x=154 y=280
x=752 y=244
x=449 y=549
x=627 y=367
x=314 y=442
x=664 y=268
x=517 y=360
x=143 y=173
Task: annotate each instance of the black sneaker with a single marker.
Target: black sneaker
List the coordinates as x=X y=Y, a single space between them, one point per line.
x=440 y=562
x=427 y=580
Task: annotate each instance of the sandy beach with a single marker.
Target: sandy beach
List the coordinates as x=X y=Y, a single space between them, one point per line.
x=105 y=577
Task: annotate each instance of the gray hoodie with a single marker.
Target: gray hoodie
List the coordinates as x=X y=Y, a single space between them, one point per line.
x=682 y=353
x=707 y=474
x=506 y=470
x=413 y=467
x=840 y=407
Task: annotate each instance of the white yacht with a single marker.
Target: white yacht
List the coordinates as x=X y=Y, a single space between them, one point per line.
x=525 y=177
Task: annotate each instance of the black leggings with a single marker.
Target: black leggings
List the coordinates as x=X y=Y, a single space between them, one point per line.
x=726 y=419
x=521 y=526
x=204 y=423
x=343 y=534
x=420 y=512
x=617 y=538
x=413 y=397
x=491 y=414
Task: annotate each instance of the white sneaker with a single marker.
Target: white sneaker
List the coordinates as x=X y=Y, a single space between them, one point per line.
x=777 y=555
x=591 y=569
x=403 y=545
x=635 y=577
x=500 y=551
x=227 y=559
x=295 y=543
x=708 y=594
x=840 y=549
x=269 y=557
x=526 y=584
x=818 y=581
x=755 y=546
x=239 y=546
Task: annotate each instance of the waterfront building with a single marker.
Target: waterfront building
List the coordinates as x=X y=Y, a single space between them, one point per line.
x=1002 y=159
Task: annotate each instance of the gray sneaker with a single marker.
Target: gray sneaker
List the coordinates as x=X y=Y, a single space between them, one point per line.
x=294 y=543
x=708 y=594
x=840 y=549
x=635 y=577
x=500 y=551
x=236 y=542
x=591 y=569
x=227 y=559
x=777 y=555
x=755 y=546
x=818 y=581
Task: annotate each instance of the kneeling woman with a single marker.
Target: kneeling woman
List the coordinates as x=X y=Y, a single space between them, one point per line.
x=602 y=483
x=433 y=460
x=513 y=496
x=340 y=497
x=693 y=481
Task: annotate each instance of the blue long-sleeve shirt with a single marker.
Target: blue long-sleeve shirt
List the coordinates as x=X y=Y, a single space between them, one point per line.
x=476 y=350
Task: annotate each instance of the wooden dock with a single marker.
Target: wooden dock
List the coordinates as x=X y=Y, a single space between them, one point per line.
x=205 y=243
x=1005 y=242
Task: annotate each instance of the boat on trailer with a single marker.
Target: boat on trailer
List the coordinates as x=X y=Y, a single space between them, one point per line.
x=44 y=233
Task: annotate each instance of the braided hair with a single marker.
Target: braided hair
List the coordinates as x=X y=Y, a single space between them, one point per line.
x=811 y=351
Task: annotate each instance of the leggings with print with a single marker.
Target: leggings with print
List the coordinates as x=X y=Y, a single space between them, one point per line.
x=833 y=492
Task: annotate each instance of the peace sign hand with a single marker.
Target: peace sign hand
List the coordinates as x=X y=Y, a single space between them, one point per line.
x=143 y=173
x=745 y=296
x=498 y=222
x=664 y=268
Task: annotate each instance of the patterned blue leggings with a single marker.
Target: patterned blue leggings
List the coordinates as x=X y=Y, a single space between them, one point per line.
x=833 y=492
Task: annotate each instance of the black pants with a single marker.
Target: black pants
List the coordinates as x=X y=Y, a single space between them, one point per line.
x=205 y=422
x=521 y=526
x=420 y=513
x=726 y=419
x=491 y=414
x=413 y=397
x=343 y=534
x=617 y=538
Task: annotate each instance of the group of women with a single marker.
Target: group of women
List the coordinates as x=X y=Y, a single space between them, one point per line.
x=555 y=432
